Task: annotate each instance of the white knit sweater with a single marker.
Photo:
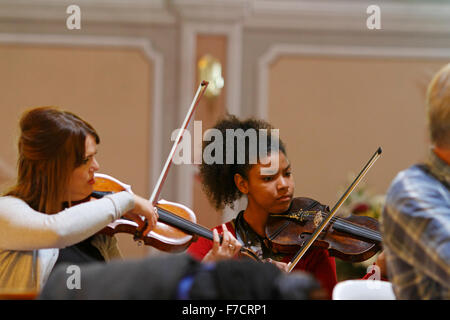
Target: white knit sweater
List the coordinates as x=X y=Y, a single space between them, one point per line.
x=25 y=233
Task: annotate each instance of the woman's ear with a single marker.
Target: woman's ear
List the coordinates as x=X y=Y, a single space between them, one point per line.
x=241 y=183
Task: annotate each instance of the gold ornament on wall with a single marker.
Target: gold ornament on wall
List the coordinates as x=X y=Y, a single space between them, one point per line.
x=210 y=69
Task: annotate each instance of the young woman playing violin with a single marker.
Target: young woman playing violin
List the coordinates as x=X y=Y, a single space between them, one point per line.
x=56 y=166
x=266 y=194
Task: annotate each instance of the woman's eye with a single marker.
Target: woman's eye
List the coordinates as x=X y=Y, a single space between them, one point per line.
x=288 y=174
x=267 y=178
x=85 y=161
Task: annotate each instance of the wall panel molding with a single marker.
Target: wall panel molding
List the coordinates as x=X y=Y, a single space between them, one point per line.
x=278 y=50
x=113 y=42
x=111 y=11
x=429 y=17
x=347 y=15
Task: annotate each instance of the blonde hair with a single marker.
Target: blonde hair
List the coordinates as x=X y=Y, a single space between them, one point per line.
x=438 y=107
x=51 y=146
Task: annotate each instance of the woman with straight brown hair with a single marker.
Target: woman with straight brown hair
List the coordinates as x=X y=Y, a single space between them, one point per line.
x=56 y=167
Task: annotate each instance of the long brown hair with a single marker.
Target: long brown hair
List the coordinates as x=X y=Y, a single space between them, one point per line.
x=51 y=146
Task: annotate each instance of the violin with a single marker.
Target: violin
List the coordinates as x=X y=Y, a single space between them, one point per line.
x=175 y=230
x=352 y=239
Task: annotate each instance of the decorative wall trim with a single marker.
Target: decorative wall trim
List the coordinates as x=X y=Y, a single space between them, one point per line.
x=327 y=15
x=121 y=42
x=111 y=11
x=279 y=50
x=345 y=15
x=212 y=10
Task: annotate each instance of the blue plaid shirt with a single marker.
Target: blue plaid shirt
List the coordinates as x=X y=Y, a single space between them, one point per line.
x=415 y=227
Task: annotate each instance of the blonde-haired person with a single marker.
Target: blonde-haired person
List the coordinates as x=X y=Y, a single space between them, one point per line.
x=438 y=111
x=56 y=166
x=416 y=219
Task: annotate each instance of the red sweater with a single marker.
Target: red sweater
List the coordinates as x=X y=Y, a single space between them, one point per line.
x=315 y=261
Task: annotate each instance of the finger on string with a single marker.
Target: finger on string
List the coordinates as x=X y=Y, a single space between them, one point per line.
x=216 y=240
x=237 y=245
x=151 y=224
x=149 y=227
x=226 y=236
x=143 y=227
x=155 y=210
x=233 y=241
x=155 y=219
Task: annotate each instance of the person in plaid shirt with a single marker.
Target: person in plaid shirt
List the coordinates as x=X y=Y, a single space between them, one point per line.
x=416 y=219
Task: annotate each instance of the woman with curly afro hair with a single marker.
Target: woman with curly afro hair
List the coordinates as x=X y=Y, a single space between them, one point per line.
x=267 y=192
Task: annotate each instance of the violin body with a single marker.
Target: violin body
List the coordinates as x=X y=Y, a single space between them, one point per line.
x=353 y=239
x=164 y=236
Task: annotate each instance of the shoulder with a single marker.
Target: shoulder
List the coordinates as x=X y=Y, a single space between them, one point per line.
x=413 y=200
x=9 y=203
x=413 y=184
x=413 y=179
x=11 y=200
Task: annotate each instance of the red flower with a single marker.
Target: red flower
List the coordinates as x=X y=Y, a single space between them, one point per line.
x=360 y=208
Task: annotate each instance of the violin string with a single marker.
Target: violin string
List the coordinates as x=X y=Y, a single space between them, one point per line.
x=183 y=223
x=351 y=224
x=347 y=223
x=356 y=231
x=352 y=227
x=360 y=230
x=187 y=225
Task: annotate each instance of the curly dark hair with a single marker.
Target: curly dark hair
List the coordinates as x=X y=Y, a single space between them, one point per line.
x=218 y=178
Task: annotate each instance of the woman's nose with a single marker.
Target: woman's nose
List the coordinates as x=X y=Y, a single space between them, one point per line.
x=95 y=166
x=282 y=183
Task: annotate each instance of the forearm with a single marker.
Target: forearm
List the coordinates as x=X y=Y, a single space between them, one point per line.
x=26 y=229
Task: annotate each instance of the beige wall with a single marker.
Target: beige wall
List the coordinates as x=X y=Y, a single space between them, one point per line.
x=333 y=113
x=109 y=87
